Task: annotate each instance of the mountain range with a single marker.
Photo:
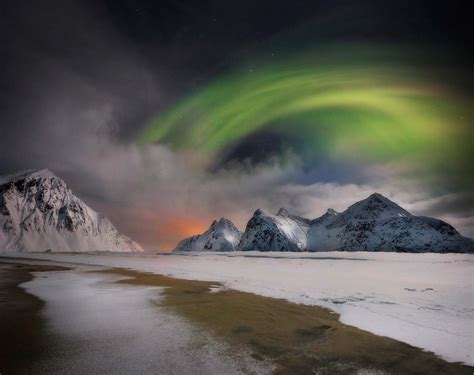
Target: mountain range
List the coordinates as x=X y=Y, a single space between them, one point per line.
x=38 y=212
x=373 y=224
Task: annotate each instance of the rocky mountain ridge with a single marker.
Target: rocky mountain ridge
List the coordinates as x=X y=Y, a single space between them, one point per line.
x=38 y=212
x=373 y=224
x=222 y=235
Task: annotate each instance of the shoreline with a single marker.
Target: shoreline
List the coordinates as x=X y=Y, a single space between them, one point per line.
x=388 y=294
x=424 y=300
x=91 y=324
x=297 y=337
x=21 y=324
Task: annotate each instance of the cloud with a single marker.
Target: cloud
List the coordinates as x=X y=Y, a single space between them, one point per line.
x=455 y=208
x=75 y=94
x=158 y=196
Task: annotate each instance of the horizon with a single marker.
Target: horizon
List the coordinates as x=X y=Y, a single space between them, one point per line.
x=196 y=229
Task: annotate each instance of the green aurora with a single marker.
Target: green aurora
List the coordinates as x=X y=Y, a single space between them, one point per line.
x=364 y=105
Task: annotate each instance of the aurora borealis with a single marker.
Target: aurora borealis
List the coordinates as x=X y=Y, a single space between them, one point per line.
x=167 y=115
x=346 y=103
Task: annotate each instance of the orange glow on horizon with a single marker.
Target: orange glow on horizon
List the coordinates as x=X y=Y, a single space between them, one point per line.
x=175 y=229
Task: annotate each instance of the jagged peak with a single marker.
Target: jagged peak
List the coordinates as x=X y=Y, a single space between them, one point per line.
x=374 y=206
x=259 y=212
x=378 y=199
x=221 y=235
x=28 y=174
x=329 y=215
x=220 y=222
x=283 y=212
x=56 y=219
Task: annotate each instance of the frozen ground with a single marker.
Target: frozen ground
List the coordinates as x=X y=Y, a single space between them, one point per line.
x=423 y=299
x=96 y=327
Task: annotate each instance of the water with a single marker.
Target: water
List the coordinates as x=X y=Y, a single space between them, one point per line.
x=95 y=326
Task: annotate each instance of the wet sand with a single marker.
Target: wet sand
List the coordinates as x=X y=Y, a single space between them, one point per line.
x=22 y=327
x=424 y=300
x=89 y=324
x=300 y=339
x=293 y=338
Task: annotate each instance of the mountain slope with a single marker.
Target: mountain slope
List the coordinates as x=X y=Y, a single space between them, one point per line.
x=222 y=235
x=280 y=232
x=378 y=224
x=38 y=212
x=373 y=224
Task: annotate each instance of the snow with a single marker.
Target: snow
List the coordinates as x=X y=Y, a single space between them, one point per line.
x=222 y=235
x=93 y=325
x=27 y=173
x=38 y=212
x=280 y=232
x=373 y=224
x=376 y=223
x=425 y=300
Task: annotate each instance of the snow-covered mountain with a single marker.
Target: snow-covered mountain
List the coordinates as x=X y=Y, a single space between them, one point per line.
x=378 y=224
x=373 y=224
x=38 y=212
x=222 y=235
x=280 y=232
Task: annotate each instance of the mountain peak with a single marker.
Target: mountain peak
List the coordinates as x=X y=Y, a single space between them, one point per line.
x=378 y=197
x=39 y=212
x=332 y=212
x=379 y=200
x=258 y=212
x=222 y=235
x=376 y=194
x=222 y=222
x=283 y=212
x=42 y=172
x=27 y=174
x=375 y=206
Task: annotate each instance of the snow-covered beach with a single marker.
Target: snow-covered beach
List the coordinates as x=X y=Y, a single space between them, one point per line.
x=95 y=323
x=425 y=300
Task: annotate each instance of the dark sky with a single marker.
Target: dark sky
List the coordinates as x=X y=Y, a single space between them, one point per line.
x=79 y=80
x=184 y=42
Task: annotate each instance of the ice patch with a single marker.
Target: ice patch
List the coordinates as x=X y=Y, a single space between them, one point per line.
x=98 y=327
x=437 y=315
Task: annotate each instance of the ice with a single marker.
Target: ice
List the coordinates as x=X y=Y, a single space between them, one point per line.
x=98 y=327
x=425 y=300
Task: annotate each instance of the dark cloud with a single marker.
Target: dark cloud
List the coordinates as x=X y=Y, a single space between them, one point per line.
x=79 y=79
x=460 y=205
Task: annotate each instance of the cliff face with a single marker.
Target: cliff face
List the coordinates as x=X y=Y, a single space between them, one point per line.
x=38 y=212
x=222 y=235
x=373 y=224
x=281 y=232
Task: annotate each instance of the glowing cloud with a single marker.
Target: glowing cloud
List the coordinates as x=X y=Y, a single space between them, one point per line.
x=362 y=104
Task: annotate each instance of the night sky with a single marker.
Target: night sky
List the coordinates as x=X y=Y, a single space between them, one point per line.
x=164 y=115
